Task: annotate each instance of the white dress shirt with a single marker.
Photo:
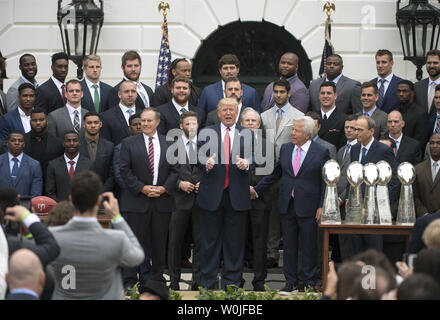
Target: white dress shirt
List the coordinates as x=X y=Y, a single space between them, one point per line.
x=72 y=114
x=124 y=110
x=58 y=83
x=328 y=113
x=398 y=140
x=90 y=85
x=156 y=145
x=368 y=146
x=231 y=133
x=74 y=160
x=25 y=120
x=386 y=83
x=11 y=162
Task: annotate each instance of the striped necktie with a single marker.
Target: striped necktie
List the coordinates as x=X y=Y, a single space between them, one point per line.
x=151 y=155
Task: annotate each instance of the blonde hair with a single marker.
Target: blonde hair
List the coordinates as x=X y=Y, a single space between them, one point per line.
x=431 y=235
x=91 y=57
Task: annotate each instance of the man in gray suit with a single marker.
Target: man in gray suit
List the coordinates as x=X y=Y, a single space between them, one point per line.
x=277 y=124
x=28 y=67
x=348 y=90
x=233 y=89
x=369 y=97
x=70 y=117
x=425 y=89
x=89 y=266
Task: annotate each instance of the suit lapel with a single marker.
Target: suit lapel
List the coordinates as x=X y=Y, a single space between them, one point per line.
x=284 y=122
x=87 y=97
x=121 y=119
x=341 y=83
x=23 y=164
x=140 y=141
x=163 y=150
x=67 y=119
x=309 y=155
x=6 y=168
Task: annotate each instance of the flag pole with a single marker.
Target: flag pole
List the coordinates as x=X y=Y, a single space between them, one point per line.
x=328 y=47
x=164 y=60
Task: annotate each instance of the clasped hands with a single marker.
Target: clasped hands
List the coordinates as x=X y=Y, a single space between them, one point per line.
x=242 y=164
x=188 y=187
x=153 y=191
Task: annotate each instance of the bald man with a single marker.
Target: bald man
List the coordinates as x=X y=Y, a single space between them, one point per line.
x=288 y=68
x=26 y=277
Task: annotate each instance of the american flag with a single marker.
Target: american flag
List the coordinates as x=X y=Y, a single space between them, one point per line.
x=328 y=47
x=164 y=62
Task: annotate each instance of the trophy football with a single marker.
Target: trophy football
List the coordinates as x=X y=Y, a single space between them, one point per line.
x=331 y=172
x=355 y=177
x=382 y=196
x=406 y=214
x=369 y=209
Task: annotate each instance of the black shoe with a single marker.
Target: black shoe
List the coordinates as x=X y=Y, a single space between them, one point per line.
x=259 y=287
x=195 y=286
x=175 y=286
x=272 y=263
x=288 y=290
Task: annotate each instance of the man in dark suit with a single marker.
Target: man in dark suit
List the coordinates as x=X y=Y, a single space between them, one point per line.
x=223 y=196
x=185 y=195
x=19 y=119
x=150 y=180
x=386 y=81
x=171 y=111
x=18 y=170
x=315 y=137
x=427 y=183
x=369 y=99
x=425 y=89
x=370 y=150
x=233 y=89
x=434 y=119
x=25 y=277
x=300 y=201
x=228 y=66
x=332 y=119
x=115 y=120
x=407 y=149
x=348 y=90
x=179 y=67
x=69 y=117
x=97 y=149
x=131 y=67
x=299 y=98
x=416 y=120
x=51 y=95
x=258 y=216
x=3 y=105
x=39 y=143
x=96 y=92
x=62 y=169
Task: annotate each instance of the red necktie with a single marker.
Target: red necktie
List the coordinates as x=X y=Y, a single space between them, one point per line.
x=63 y=93
x=72 y=169
x=227 y=151
x=151 y=155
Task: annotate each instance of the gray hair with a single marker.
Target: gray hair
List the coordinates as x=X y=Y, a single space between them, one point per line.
x=370 y=121
x=309 y=124
x=247 y=110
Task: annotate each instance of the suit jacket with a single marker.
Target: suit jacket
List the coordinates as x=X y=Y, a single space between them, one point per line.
x=162 y=95
x=268 y=119
x=3 y=103
x=47 y=96
x=170 y=118
x=432 y=121
x=20 y=296
x=381 y=119
x=299 y=97
x=97 y=254
x=187 y=172
x=136 y=174
x=212 y=117
x=330 y=147
x=87 y=99
x=390 y=101
x=421 y=96
x=59 y=122
x=349 y=95
x=29 y=181
x=214 y=92
x=416 y=243
x=103 y=161
x=416 y=122
x=308 y=183
x=113 y=99
x=8 y=123
x=58 y=180
x=426 y=199
x=212 y=181
x=114 y=126
x=332 y=129
x=344 y=162
x=264 y=200
x=409 y=151
x=12 y=95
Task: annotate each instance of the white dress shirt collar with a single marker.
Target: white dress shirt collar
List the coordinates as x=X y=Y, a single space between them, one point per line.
x=58 y=83
x=179 y=107
x=19 y=157
x=74 y=159
x=328 y=113
x=90 y=84
x=335 y=80
x=305 y=147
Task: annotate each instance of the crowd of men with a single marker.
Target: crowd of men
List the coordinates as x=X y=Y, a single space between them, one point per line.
x=211 y=174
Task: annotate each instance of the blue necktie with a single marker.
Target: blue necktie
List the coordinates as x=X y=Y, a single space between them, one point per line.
x=14 y=172
x=347 y=151
x=364 y=153
x=381 y=93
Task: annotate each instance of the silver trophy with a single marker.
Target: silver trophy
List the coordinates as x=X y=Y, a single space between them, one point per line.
x=406 y=214
x=331 y=172
x=369 y=209
x=382 y=197
x=355 y=177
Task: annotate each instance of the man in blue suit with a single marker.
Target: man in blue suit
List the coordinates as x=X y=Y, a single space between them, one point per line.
x=19 y=118
x=223 y=196
x=18 y=170
x=96 y=92
x=386 y=81
x=300 y=200
x=228 y=66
